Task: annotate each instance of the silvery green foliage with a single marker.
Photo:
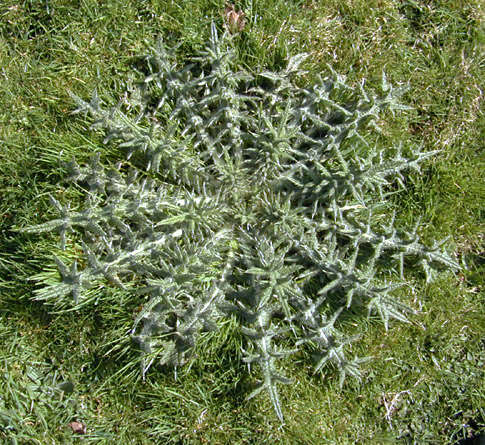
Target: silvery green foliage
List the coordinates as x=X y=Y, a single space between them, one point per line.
x=246 y=196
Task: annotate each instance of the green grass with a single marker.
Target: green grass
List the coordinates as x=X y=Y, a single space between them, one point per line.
x=433 y=368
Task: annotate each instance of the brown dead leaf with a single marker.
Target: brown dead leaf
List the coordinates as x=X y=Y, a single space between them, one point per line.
x=77 y=427
x=234 y=20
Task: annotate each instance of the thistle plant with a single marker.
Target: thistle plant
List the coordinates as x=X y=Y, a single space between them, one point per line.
x=242 y=195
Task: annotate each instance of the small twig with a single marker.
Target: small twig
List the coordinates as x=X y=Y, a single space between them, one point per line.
x=391 y=407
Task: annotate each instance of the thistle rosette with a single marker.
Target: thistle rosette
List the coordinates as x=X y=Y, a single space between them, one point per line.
x=247 y=196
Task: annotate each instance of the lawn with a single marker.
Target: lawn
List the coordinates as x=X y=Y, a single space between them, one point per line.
x=425 y=383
